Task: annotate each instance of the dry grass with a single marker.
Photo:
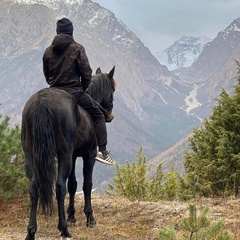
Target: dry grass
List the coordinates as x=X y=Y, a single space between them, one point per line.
x=117 y=218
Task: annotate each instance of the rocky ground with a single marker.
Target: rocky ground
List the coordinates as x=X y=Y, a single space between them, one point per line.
x=118 y=218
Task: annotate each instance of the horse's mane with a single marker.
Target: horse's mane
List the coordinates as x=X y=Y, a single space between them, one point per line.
x=99 y=84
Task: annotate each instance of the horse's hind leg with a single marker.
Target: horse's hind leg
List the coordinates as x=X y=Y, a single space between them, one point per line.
x=88 y=164
x=64 y=169
x=32 y=225
x=72 y=187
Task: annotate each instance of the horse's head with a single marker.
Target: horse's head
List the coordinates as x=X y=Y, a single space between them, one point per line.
x=101 y=89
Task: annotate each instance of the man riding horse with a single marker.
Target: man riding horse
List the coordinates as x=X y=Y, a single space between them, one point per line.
x=66 y=66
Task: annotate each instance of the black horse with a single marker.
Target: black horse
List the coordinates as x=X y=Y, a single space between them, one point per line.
x=55 y=127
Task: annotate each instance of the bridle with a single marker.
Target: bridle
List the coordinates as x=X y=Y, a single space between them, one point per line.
x=108 y=114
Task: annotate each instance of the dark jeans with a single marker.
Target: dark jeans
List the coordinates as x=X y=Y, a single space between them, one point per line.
x=85 y=101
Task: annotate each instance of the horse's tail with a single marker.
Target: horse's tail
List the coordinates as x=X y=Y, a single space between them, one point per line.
x=43 y=151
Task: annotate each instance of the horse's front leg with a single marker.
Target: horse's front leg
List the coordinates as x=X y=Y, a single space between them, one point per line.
x=32 y=225
x=72 y=188
x=88 y=163
x=64 y=168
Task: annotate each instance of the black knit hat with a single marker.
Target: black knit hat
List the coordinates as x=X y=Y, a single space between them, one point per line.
x=65 y=26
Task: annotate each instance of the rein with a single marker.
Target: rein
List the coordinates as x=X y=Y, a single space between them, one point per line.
x=106 y=112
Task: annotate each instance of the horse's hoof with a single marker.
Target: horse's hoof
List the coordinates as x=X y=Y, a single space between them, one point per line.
x=30 y=237
x=66 y=238
x=91 y=224
x=66 y=235
x=71 y=220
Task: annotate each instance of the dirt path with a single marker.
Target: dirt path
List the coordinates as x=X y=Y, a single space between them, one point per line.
x=118 y=219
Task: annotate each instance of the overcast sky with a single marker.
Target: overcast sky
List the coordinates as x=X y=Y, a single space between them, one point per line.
x=158 y=23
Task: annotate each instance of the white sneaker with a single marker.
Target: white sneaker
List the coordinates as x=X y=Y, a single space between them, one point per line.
x=105 y=157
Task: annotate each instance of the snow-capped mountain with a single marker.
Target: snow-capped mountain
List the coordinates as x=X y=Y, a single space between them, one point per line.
x=183 y=52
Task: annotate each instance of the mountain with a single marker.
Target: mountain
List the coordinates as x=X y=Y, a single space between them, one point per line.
x=214 y=69
x=183 y=52
x=148 y=97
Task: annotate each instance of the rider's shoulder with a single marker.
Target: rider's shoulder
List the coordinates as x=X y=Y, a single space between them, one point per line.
x=77 y=45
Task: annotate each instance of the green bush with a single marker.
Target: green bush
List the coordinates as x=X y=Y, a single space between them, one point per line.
x=132 y=182
x=12 y=176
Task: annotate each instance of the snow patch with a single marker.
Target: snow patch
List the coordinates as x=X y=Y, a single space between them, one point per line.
x=191 y=100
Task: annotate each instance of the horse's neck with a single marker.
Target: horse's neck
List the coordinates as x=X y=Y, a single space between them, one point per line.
x=95 y=91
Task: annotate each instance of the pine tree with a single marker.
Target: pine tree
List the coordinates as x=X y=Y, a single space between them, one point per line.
x=12 y=175
x=156 y=188
x=194 y=227
x=212 y=165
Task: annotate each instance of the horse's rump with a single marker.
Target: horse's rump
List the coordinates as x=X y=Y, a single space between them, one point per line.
x=60 y=106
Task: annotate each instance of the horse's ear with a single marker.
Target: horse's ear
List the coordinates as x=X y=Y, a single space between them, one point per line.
x=99 y=71
x=111 y=73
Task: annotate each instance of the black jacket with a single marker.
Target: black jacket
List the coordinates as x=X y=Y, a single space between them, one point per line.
x=65 y=64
